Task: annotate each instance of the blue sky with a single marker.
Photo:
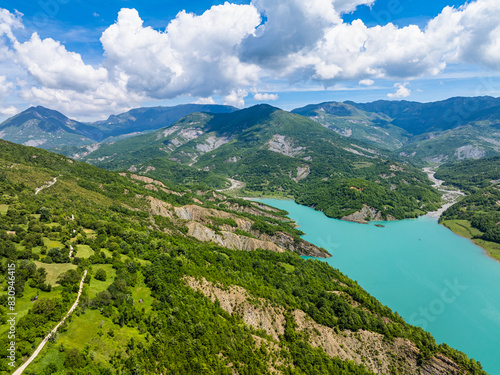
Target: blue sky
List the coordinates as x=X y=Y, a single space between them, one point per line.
x=89 y=59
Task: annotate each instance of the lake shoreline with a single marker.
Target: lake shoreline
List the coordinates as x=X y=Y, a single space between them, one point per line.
x=451 y=196
x=491 y=249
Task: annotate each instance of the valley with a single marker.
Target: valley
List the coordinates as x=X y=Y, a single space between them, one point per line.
x=157 y=285
x=171 y=255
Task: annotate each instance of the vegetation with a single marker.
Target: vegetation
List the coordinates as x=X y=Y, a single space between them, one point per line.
x=137 y=315
x=275 y=153
x=477 y=216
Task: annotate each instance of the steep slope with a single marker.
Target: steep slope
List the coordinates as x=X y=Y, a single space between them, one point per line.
x=274 y=152
x=475 y=140
x=157 y=300
x=46 y=128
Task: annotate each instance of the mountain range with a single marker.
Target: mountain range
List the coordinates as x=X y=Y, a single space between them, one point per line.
x=454 y=129
x=268 y=151
x=49 y=129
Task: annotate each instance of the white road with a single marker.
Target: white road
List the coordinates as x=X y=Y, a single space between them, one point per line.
x=20 y=370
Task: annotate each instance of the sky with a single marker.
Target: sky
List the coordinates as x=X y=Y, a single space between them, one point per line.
x=89 y=59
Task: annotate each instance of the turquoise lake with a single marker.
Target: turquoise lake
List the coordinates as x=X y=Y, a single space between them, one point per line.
x=430 y=276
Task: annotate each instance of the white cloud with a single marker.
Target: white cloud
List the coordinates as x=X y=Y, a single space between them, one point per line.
x=52 y=66
x=227 y=50
x=5 y=89
x=236 y=98
x=208 y=100
x=195 y=54
x=265 y=97
x=402 y=91
x=367 y=82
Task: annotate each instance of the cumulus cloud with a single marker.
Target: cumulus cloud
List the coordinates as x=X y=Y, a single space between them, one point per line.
x=236 y=98
x=6 y=88
x=402 y=91
x=367 y=82
x=208 y=100
x=52 y=66
x=231 y=48
x=263 y=97
x=194 y=55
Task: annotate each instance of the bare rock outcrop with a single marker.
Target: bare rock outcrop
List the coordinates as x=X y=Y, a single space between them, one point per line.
x=369 y=213
x=377 y=354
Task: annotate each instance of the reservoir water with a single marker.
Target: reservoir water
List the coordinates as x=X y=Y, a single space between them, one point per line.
x=430 y=276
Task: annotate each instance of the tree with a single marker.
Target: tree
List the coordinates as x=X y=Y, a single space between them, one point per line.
x=101 y=275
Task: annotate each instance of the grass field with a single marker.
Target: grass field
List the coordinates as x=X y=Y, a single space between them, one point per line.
x=141 y=291
x=23 y=304
x=88 y=329
x=464 y=229
x=54 y=270
x=84 y=251
x=97 y=286
x=51 y=243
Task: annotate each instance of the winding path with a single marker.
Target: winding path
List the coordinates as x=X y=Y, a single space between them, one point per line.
x=47 y=185
x=450 y=196
x=20 y=370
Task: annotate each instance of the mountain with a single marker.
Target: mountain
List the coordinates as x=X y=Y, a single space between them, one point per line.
x=349 y=121
x=49 y=129
x=46 y=128
x=274 y=152
x=152 y=118
x=454 y=129
x=162 y=285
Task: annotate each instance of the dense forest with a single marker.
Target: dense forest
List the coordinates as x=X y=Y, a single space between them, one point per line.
x=147 y=305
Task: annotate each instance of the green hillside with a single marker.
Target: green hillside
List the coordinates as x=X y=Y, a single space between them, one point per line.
x=477 y=216
x=158 y=300
x=277 y=153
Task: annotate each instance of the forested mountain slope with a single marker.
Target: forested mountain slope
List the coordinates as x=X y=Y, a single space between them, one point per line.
x=274 y=152
x=160 y=298
x=477 y=216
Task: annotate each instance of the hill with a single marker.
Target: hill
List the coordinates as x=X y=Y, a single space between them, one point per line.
x=277 y=153
x=168 y=289
x=46 y=128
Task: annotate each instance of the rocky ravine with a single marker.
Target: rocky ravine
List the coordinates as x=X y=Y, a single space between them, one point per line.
x=377 y=354
x=198 y=221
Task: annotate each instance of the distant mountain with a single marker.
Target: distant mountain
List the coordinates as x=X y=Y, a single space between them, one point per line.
x=45 y=128
x=454 y=129
x=349 y=121
x=152 y=118
x=274 y=152
x=418 y=118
